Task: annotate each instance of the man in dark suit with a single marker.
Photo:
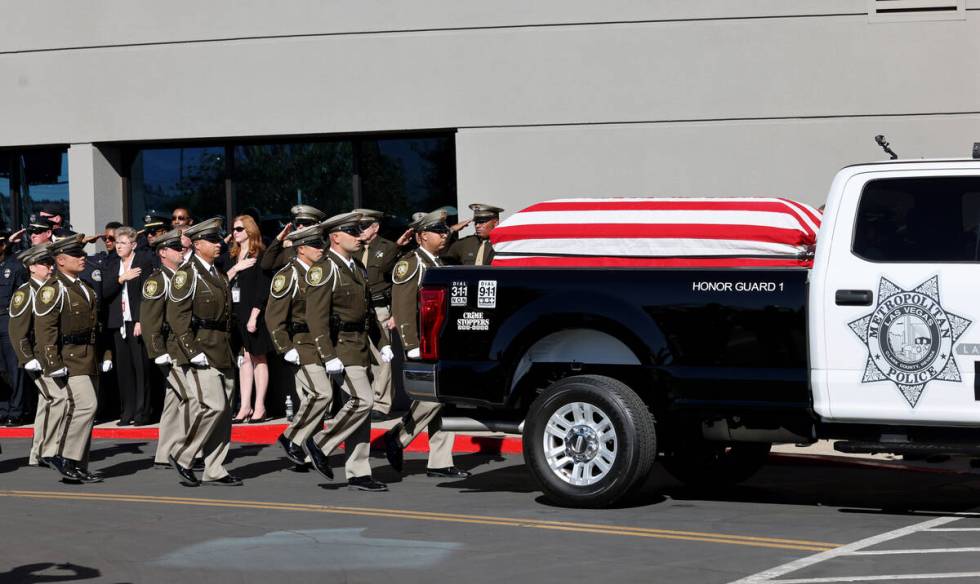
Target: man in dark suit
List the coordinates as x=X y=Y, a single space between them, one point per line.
x=123 y=275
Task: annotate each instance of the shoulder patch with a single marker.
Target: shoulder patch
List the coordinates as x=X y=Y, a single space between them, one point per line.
x=279 y=283
x=152 y=289
x=47 y=298
x=180 y=280
x=282 y=282
x=182 y=285
x=47 y=294
x=20 y=297
x=315 y=275
x=405 y=270
x=320 y=273
x=401 y=269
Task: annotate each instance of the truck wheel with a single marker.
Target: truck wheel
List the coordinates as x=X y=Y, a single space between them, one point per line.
x=705 y=464
x=588 y=439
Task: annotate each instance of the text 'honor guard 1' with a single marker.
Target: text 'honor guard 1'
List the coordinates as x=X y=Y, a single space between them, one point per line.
x=66 y=328
x=338 y=305
x=199 y=315
x=475 y=250
x=431 y=232
x=287 y=320
x=49 y=412
x=162 y=348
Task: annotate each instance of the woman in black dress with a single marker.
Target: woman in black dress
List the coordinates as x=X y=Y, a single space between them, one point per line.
x=249 y=292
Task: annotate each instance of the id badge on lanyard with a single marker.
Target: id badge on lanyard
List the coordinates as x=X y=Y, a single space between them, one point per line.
x=236 y=294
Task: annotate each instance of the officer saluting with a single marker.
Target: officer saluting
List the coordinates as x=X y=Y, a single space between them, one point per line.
x=161 y=345
x=40 y=265
x=65 y=329
x=287 y=320
x=475 y=250
x=339 y=309
x=279 y=251
x=199 y=313
x=431 y=232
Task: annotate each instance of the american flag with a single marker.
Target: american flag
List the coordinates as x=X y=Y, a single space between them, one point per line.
x=659 y=232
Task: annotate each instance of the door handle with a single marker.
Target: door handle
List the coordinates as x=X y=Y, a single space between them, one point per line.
x=854 y=298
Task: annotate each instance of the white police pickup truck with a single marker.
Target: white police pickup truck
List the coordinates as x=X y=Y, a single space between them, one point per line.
x=605 y=369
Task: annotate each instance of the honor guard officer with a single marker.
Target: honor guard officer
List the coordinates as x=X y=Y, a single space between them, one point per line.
x=279 y=252
x=286 y=318
x=338 y=305
x=199 y=315
x=49 y=412
x=475 y=250
x=379 y=256
x=161 y=346
x=12 y=276
x=65 y=329
x=431 y=232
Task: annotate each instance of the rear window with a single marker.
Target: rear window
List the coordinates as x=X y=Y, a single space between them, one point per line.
x=919 y=220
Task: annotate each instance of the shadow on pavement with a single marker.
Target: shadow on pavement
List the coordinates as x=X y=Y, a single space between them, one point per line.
x=30 y=573
x=98 y=454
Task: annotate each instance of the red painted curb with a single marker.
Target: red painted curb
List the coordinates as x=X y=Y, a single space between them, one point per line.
x=267 y=434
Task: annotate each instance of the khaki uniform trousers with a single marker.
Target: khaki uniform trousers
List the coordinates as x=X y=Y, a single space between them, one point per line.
x=77 y=394
x=381 y=371
x=315 y=394
x=209 y=399
x=352 y=423
x=426 y=415
x=175 y=420
x=50 y=412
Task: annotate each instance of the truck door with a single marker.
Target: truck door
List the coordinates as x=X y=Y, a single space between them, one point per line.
x=900 y=299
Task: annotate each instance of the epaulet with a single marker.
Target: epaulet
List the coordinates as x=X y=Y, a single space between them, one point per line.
x=21 y=300
x=318 y=276
x=49 y=297
x=405 y=269
x=183 y=284
x=154 y=288
x=283 y=281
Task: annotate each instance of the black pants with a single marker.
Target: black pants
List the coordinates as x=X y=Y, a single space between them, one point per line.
x=129 y=362
x=14 y=404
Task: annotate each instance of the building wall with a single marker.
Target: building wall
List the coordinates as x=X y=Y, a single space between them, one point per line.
x=550 y=98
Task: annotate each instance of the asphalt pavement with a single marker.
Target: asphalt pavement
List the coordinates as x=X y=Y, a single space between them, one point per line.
x=799 y=520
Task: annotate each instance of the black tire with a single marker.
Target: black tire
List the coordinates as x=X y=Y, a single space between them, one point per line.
x=635 y=440
x=704 y=464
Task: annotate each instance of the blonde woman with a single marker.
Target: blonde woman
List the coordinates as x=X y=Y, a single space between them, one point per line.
x=249 y=292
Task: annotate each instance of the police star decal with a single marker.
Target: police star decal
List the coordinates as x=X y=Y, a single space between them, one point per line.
x=910 y=338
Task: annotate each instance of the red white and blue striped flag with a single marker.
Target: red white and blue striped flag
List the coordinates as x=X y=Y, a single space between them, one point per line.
x=659 y=232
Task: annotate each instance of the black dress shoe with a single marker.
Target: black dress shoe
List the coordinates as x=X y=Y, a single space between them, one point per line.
x=84 y=475
x=141 y=422
x=366 y=484
x=198 y=464
x=124 y=422
x=320 y=461
x=450 y=472
x=394 y=451
x=67 y=471
x=293 y=453
x=225 y=481
x=187 y=477
x=161 y=465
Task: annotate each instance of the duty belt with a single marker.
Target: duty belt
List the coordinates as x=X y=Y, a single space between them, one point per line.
x=296 y=328
x=209 y=324
x=84 y=338
x=338 y=325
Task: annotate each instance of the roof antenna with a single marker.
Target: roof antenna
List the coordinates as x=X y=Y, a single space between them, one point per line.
x=880 y=140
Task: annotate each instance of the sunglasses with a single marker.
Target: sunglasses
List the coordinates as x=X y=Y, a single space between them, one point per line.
x=176 y=246
x=304 y=223
x=482 y=220
x=110 y=239
x=440 y=229
x=354 y=230
x=239 y=229
x=75 y=253
x=179 y=218
x=315 y=244
x=211 y=238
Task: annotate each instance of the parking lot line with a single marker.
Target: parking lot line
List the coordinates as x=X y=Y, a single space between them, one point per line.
x=619 y=530
x=882 y=578
x=920 y=551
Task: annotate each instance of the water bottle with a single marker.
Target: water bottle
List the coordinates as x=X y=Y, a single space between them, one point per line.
x=289 y=408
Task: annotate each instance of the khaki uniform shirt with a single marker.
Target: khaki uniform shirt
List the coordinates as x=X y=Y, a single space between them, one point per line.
x=66 y=325
x=21 y=327
x=157 y=336
x=339 y=295
x=466 y=252
x=404 y=295
x=379 y=259
x=285 y=311
x=197 y=295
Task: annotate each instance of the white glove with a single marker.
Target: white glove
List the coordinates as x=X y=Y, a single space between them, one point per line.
x=106 y=366
x=292 y=356
x=201 y=360
x=335 y=365
x=386 y=354
x=33 y=365
x=414 y=353
x=163 y=360
x=240 y=361
x=63 y=372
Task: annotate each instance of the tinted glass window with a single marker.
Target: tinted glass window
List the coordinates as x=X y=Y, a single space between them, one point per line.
x=402 y=176
x=6 y=192
x=45 y=182
x=162 y=179
x=919 y=220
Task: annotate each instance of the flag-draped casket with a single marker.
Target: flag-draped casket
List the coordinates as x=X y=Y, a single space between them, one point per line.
x=659 y=232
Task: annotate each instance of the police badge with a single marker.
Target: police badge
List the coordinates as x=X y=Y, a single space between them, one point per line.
x=6 y=273
x=910 y=338
x=96 y=275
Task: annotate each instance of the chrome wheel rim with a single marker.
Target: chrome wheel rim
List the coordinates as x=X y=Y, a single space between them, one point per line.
x=580 y=444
